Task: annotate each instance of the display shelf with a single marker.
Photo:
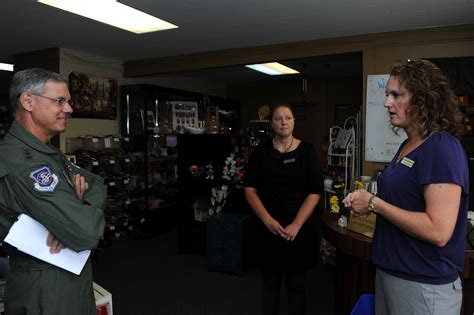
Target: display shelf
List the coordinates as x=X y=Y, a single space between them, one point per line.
x=342 y=158
x=149 y=117
x=109 y=157
x=342 y=149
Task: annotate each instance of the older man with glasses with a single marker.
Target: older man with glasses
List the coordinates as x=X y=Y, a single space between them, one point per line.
x=36 y=179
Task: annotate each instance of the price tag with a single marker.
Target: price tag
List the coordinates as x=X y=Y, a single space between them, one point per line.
x=116 y=139
x=112 y=161
x=112 y=184
x=95 y=140
x=95 y=163
x=112 y=228
x=107 y=143
x=126 y=139
x=126 y=181
x=127 y=160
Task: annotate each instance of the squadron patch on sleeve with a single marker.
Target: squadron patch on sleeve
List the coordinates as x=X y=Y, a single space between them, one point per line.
x=44 y=180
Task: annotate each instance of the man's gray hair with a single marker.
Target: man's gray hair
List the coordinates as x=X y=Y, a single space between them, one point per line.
x=30 y=80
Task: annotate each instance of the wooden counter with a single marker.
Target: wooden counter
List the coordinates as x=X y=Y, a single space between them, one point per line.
x=354 y=267
x=356 y=272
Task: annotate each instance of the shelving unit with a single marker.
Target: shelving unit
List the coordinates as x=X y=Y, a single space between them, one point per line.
x=111 y=158
x=342 y=154
x=158 y=120
x=152 y=116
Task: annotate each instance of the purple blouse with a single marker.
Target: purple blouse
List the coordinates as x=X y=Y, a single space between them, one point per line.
x=440 y=159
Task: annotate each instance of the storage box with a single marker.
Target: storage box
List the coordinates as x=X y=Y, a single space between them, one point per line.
x=229 y=246
x=103 y=300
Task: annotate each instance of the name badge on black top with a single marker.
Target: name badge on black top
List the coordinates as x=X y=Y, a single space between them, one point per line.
x=289 y=161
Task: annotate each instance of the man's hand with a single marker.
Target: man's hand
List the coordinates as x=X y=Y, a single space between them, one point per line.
x=80 y=186
x=54 y=244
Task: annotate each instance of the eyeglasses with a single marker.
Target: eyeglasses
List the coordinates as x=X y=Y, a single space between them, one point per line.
x=61 y=101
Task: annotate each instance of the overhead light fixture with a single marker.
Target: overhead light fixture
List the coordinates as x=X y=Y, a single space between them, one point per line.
x=113 y=13
x=6 y=67
x=272 y=68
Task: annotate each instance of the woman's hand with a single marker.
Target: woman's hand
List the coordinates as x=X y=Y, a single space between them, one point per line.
x=274 y=227
x=291 y=231
x=80 y=186
x=358 y=201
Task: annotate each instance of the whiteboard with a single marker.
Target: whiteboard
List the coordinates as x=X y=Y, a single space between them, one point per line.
x=381 y=143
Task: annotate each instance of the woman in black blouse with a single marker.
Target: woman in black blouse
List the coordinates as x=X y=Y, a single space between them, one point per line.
x=283 y=185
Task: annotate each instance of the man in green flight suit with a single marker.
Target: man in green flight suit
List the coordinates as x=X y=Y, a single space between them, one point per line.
x=36 y=179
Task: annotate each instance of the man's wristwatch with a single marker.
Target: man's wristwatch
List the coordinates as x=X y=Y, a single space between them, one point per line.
x=371 y=206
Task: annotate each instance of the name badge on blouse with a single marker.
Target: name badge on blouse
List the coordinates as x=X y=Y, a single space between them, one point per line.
x=407 y=162
x=289 y=161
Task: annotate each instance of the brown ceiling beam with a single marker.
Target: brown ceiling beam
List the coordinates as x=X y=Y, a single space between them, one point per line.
x=294 y=50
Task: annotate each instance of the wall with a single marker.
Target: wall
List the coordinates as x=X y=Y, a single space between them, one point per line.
x=314 y=117
x=444 y=42
x=379 y=50
x=73 y=60
x=181 y=82
x=5 y=79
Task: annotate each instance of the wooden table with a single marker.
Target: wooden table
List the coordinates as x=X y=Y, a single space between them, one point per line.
x=356 y=272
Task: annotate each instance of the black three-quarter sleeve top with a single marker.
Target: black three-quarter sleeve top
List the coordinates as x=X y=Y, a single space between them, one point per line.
x=283 y=181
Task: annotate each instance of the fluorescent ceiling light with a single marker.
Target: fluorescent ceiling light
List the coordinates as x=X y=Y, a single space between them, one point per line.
x=272 y=68
x=113 y=13
x=6 y=67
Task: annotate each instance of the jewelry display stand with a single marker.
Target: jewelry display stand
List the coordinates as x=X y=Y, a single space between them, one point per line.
x=342 y=158
x=342 y=151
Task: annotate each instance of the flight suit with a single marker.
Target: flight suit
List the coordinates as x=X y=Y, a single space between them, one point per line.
x=37 y=179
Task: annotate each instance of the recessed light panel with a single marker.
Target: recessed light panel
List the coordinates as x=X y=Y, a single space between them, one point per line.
x=272 y=68
x=113 y=13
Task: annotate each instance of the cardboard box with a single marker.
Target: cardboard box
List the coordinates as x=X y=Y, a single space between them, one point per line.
x=103 y=300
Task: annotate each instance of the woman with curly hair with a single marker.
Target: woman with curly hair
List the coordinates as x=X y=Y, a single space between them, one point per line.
x=422 y=199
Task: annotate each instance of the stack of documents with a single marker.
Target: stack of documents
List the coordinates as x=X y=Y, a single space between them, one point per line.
x=30 y=236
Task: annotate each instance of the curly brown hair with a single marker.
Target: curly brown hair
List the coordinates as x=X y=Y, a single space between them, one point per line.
x=433 y=103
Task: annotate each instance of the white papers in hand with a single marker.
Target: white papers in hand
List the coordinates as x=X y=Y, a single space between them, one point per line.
x=30 y=236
